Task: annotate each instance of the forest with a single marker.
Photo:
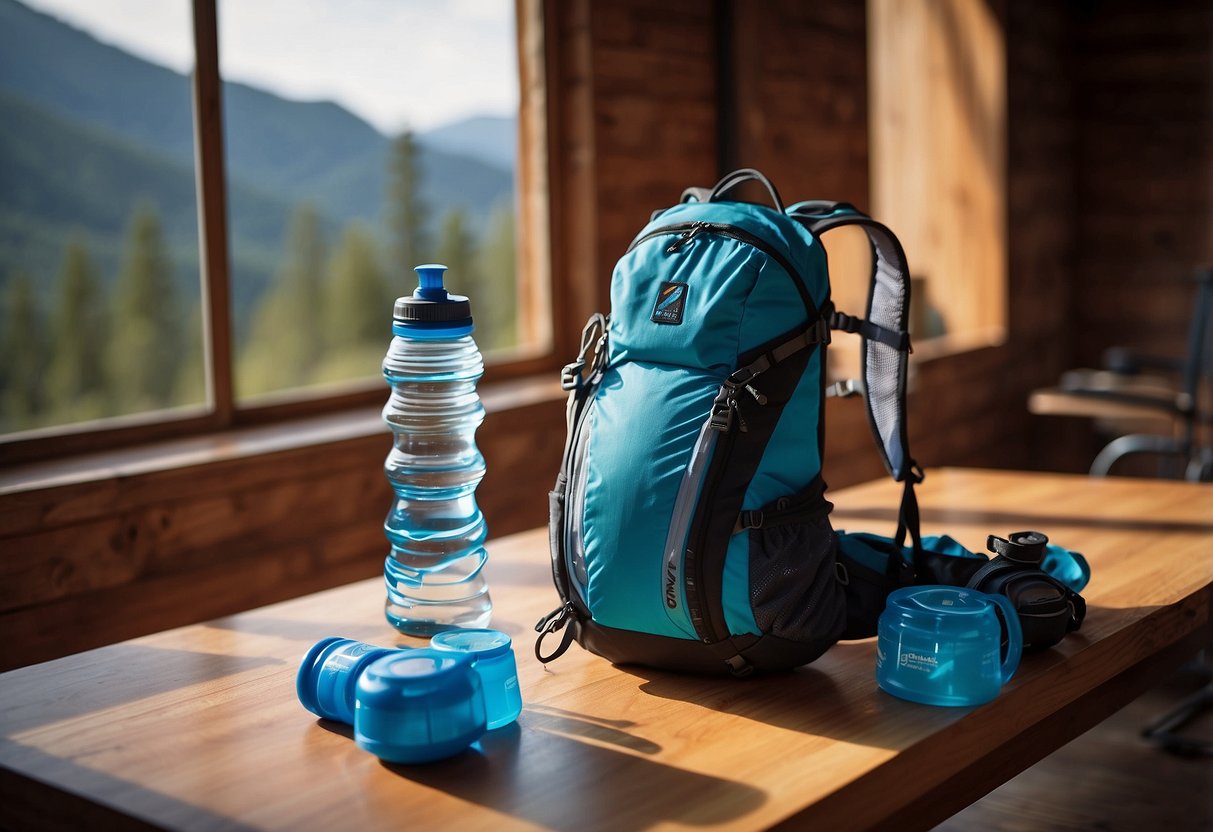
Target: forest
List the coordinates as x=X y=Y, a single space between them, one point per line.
x=134 y=343
x=100 y=286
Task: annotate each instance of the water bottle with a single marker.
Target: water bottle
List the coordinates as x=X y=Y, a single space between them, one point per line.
x=434 y=571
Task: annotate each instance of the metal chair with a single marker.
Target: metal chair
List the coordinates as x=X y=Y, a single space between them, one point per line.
x=1133 y=379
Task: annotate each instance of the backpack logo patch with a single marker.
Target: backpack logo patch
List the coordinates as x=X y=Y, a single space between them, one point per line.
x=671 y=301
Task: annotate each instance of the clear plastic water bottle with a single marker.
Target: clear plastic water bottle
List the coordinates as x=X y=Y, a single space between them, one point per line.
x=434 y=571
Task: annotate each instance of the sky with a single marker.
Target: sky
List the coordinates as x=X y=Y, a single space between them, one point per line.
x=396 y=63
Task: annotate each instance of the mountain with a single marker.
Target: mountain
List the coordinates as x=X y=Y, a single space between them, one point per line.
x=87 y=131
x=317 y=151
x=60 y=179
x=491 y=139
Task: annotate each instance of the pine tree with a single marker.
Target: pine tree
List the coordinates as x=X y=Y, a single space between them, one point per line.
x=145 y=350
x=357 y=308
x=76 y=380
x=496 y=305
x=22 y=358
x=190 y=385
x=407 y=212
x=286 y=340
x=457 y=251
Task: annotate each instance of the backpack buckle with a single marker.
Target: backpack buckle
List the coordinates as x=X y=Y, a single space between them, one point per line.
x=570 y=375
x=724 y=409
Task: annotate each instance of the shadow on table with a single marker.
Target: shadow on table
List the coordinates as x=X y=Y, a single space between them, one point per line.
x=825 y=699
x=29 y=804
x=32 y=805
x=534 y=771
x=122 y=673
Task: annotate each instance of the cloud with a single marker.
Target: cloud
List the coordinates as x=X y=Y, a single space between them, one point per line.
x=396 y=63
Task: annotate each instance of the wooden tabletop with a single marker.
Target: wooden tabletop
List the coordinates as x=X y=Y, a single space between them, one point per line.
x=199 y=727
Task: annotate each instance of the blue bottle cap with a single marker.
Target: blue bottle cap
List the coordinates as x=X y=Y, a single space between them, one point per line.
x=480 y=644
x=493 y=659
x=431 y=311
x=418 y=706
x=327 y=675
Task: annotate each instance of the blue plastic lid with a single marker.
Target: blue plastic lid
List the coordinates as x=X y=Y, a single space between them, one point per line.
x=479 y=644
x=328 y=673
x=950 y=600
x=431 y=311
x=419 y=706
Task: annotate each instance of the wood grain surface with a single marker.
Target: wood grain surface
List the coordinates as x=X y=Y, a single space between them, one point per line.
x=199 y=727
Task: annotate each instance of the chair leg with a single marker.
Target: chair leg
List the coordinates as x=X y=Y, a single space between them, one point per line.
x=1165 y=730
x=1140 y=443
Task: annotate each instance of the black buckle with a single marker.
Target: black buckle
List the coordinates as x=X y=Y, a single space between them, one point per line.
x=1020 y=547
x=844 y=322
x=723 y=408
x=821 y=331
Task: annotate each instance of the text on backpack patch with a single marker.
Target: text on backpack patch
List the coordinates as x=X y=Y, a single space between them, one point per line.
x=671 y=301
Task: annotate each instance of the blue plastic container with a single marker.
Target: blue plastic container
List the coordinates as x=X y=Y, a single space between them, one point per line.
x=493 y=658
x=434 y=571
x=941 y=645
x=418 y=706
x=328 y=674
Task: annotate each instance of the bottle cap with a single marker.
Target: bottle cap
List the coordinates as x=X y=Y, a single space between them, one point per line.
x=431 y=311
x=493 y=658
x=419 y=705
x=328 y=673
x=480 y=644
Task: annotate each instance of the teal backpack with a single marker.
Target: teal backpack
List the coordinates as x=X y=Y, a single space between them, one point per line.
x=689 y=525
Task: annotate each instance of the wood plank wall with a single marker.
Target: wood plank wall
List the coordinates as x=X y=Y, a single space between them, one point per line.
x=642 y=106
x=1145 y=172
x=97 y=562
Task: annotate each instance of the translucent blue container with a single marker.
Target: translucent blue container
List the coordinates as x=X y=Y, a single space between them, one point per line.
x=434 y=571
x=329 y=672
x=493 y=658
x=418 y=706
x=941 y=645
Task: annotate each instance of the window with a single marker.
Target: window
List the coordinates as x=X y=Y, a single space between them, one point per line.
x=101 y=311
x=355 y=141
x=938 y=128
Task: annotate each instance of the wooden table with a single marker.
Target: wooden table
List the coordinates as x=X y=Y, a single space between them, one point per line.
x=199 y=728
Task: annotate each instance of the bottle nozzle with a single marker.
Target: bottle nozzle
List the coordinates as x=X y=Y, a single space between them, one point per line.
x=431 y=281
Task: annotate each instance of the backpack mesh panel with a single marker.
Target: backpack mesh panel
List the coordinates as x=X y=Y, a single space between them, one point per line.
x=884 y=368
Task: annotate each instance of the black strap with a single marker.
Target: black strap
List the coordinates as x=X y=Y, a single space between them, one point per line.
x=908 y=519
x=737 y=177
x=696 y=195
x=884 y=327
x=818 y=333
x=843 y=322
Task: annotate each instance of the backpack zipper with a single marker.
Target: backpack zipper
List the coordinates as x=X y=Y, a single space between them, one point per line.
x=689 y=230
x=706 y=617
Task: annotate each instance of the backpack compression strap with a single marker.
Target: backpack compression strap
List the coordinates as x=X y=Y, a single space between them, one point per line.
x=885 y=347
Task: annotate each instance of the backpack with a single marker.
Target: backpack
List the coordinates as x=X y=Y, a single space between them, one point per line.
x=689 y=527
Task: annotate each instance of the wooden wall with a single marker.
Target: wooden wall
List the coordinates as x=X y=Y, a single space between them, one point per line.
x=646 y=99
x=1144 y=105
x=119 y=556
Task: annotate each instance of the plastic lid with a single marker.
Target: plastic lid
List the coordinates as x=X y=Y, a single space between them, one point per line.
x=480 y=644
x=419 y=706
x=950 y=600
x=327 y=675
x=431 y=309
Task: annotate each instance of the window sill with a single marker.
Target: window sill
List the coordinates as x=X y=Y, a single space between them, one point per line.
x=245 y=442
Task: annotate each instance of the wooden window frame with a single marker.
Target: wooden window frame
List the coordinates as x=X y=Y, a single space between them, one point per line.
x=538 y=250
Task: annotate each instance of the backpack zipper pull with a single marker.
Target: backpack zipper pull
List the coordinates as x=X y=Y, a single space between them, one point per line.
x=758 y=397
x=555 y=621
x=685 y=237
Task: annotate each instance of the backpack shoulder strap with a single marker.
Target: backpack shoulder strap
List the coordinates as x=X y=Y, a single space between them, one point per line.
x=885 y=346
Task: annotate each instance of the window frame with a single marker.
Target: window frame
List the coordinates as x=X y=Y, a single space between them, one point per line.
x=221 y=412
